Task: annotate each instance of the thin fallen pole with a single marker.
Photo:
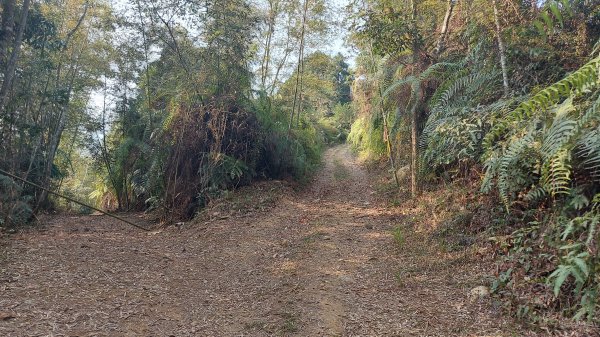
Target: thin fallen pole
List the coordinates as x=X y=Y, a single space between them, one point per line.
x=72 y=200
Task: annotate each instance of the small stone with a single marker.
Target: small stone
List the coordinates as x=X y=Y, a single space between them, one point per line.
x=369 y=226
x=479 y=292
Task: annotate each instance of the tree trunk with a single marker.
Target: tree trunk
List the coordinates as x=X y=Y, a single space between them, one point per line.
x=12 y=62
x=444 y=30
x=147 y=63
x=298 y=70
x=501 y=49
x=414 y=113
x=286 y=54
x=7 y=30
x=54 y=141
x=301 y=94
x=273 y=11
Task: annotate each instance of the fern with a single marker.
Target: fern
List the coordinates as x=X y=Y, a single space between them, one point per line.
x=456 y=123
x=556 y=174
x=558 y=134
x=573 y=85
x=472 y=81
x=561 y=131
x=507 y=163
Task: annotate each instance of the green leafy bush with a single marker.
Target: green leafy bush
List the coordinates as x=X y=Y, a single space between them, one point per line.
x=284 y=152
x=366 y=135
x=545 y=153
x=15 y=207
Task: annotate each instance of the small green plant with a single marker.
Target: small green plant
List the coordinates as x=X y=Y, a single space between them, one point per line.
x=290 y=323
x=256 y=325
x=398 y=236
x=400 y=277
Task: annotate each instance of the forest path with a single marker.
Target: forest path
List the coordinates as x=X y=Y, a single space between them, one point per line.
x=322 y=262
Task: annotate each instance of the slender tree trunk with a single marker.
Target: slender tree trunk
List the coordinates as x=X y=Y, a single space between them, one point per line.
x=12 y=62
x=273 y=9
x=283 y=61
x=444 y=30
x=387 y=140
x=105 y=155
x=501 y=48
x=386 y=129
x=298 y=70
x=415 y=110
x=145 y=41
x=55 y=139
x=7 y=29
x=301 y=94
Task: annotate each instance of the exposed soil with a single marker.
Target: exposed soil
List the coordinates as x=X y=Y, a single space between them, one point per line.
x=322 y=262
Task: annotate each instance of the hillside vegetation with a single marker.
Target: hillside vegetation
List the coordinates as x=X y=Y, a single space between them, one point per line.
x=506 y=94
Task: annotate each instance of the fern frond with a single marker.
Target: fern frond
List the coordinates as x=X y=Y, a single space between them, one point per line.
x=436 y=68
x=572 y=85
x=507 y=163
x=556 y=174
x=491 y=171
x=560 y=133
x=397 y=84
x=473 y=81
x=588 y=147
x=592 y=113
x=536 y=194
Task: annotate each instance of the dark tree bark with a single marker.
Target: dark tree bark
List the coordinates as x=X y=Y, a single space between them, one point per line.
x=14 y=56
x=7 y=29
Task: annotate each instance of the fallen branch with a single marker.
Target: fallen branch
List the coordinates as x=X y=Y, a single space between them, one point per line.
x=71 y=199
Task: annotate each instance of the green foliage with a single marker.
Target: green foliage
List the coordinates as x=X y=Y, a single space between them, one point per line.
x=366 y=135
x=14 y=206
x=546 y=150
x=579 y=263
x=390 y=31
x=540 y=150
x=536 y=143
x=398 y=236
x=325 y=85
x=551 y=15
x=284 y=152
x=222 y=172
x=457 y=121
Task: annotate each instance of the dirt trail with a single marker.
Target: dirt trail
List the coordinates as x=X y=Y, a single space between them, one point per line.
x=320 y=263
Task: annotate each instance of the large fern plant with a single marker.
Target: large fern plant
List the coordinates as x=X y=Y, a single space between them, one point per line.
x=459 y=113
x=547 y=152
x=534 y=150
